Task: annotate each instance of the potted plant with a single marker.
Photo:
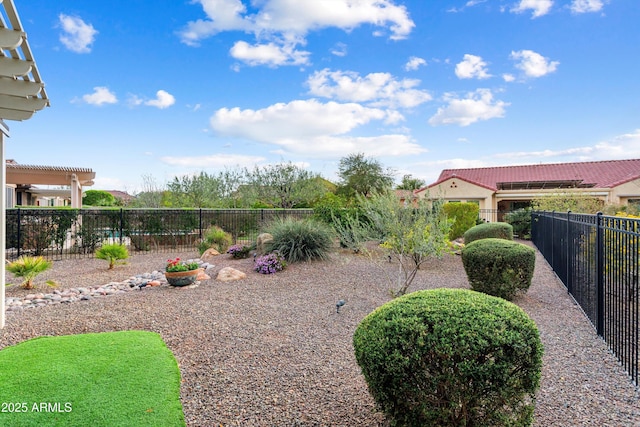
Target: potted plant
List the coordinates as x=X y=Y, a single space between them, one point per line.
x=179 y=273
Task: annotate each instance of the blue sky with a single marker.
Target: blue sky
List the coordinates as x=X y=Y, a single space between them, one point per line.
x=161 y=89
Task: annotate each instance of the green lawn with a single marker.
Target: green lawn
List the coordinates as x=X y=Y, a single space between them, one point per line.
x=127 y=378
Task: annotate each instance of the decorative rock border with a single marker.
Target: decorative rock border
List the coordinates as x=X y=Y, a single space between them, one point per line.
x=66 y=296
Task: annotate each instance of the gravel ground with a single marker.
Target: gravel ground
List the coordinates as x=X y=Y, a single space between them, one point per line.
x=271 y=350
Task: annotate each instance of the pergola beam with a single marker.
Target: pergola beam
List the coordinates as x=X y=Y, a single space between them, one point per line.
x=18 y=101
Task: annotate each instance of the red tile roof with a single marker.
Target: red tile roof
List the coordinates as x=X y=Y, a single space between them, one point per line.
x=604 y=174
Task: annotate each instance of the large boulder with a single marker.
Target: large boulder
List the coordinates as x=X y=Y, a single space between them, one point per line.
x=229 y=274
x=262 y=241
x=209 y=255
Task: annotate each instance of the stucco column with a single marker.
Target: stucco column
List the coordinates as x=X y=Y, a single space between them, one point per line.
x=76 y=192
x=3 y=220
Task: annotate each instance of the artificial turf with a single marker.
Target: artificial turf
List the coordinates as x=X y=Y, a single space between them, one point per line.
x=127 y=378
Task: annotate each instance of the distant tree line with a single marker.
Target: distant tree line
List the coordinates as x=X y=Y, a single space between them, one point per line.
x=282 y=185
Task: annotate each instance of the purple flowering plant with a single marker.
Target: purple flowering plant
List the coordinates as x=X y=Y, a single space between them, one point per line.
x=239 y=251
x=270 y=263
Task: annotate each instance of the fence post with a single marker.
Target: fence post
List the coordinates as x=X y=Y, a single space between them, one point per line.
x=121 y=224
x=19 y=232
x=200 y=224
x=599 y=275
x=569 y=255
x=553 y=237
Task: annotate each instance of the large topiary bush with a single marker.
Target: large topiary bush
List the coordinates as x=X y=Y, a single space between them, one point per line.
x=464 y=216
x=451 y=357
x=499 y=267
x=498 y=230
x=300 y=239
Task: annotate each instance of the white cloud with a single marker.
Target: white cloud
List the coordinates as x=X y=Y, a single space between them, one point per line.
x=217 y=161
x=586 y=6
x=297 y=17
x=77 y=35
x=539 y=7
x=376 y=89
x=270 y=54
x=340 y=49
x=285 y=23
x=508 y=78
x=312 y=129
x=470 y=3
x=472 y=66
x=533 y=64
x=102 y=182
x=478 y=105
x=414 y=63
x=626 y=146
x=163 y=100
x=101 y=95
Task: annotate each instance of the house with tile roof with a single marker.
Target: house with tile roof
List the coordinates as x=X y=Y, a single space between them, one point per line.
x=507 y=188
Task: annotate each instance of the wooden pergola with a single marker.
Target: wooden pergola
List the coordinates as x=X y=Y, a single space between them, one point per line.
x=21 y=95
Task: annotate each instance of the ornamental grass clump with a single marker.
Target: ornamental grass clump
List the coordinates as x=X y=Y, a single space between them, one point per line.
x=300 y=240
x=216 y=238
x=28 y=267
x=451 y=357
x=270 y=263
x=112 y=253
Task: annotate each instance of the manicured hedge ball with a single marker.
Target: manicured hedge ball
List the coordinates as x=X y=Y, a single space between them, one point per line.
x=451 y=357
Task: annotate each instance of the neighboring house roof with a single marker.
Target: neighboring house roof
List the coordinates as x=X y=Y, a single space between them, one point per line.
x=406 y=194
x=603 y=174
x=122 y=195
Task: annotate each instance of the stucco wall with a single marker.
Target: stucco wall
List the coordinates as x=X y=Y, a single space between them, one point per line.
x=458 y=190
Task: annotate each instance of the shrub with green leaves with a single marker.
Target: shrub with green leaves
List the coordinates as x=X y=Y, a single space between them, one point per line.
x=499 y=267
x=498 y=230
x=464 y=216
x=520 y=220
x=112 y=253
x=451 y=357
x=28 y=267
x=300 y=239
x=216 y=238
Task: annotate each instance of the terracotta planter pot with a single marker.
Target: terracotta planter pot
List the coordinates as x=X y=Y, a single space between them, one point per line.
x=182 y=278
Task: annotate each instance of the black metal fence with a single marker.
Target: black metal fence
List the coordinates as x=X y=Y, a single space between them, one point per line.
x=77 y=233
x=492 y=215
x=597 y=258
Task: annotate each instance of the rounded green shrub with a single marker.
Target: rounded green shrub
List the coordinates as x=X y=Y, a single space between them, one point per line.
x=497 y=230
x=499 y=267
x=451 y=357
x=300 y=240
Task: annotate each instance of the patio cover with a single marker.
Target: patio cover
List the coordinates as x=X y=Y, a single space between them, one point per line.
x=21 y=94
x=76 y=178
